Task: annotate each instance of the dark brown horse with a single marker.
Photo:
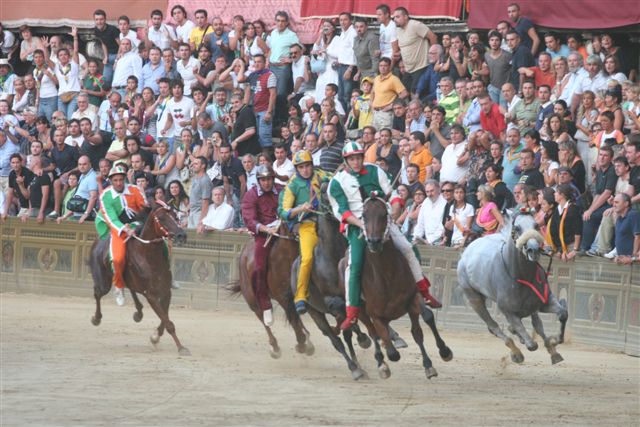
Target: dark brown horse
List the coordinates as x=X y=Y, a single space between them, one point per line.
x=147 y=269
x=284 y=251
x=389 y=292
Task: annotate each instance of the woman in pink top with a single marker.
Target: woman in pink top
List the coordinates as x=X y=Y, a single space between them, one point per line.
x=488 y=217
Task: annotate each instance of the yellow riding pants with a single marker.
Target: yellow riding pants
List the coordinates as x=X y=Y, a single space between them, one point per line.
x=308 y=241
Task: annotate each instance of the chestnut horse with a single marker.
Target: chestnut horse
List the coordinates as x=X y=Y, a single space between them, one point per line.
x=389 y=291
x=147 y=270
x=283 y=253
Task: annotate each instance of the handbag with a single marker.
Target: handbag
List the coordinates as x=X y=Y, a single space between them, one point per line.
x=67 y=97
x=77 y=204
x=318 y=65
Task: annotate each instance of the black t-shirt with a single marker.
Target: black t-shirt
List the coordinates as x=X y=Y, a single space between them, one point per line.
x=108 y=37
x=35 y=189
x=521 y=57
x=245 y=120
x=606 y=180
x=13 y=184
x=533 y=178
x=65 y=159
x=399 y=123
x=97 y=152
x=634 y=178
x=232 y=171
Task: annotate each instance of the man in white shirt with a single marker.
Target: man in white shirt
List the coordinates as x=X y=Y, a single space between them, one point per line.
x=388 y=40
x=67 y=75
x=159 y=33
x=283 y=167
x=187 y=67
x=572 y=80
x=220 y=214
x=127 y=33
x=300 y=71
x=179 y=109
x=183 y=25
x=311 y=145
x=129 y=64
x=595 y=81
x=454 y=165
x=346 y=60
x=429 y=228
x=74 y=137
x=510 y=97
x=108 y=109
x=85 y=109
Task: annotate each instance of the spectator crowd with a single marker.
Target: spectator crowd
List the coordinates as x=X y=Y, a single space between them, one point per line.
x=465 y=125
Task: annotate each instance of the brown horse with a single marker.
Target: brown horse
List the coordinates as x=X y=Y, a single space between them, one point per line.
x=147 y=269
x=284 y=251
x=389 y=291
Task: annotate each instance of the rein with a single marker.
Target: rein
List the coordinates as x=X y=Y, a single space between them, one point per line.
x=165 y=233
x=387 y=228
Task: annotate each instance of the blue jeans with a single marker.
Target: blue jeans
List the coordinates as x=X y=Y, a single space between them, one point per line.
x=496 y=95
x=284 y=86
x=47 y=106
x=69 y=107
x=264 y=130
x=590 y=227
x=344 y=87
x=107 y=74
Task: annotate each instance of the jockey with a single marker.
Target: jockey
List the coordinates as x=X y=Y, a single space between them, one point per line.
x=298 y=203
x=119 y=204
x=260 y=215
x=347 y=203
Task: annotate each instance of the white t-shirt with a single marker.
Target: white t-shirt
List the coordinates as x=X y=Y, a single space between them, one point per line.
x=7 y=88
x=219 y=218
x=74 y=142
x=9 y=41
x=162 y=112
x=286 y=168
x=68 y=77
x=461 y=216
x=297 y=70
x=180 y=111
x=133 y=36
x=186 y=72
x=387 y=36
x=450 y=170
x=162 y=37
x=183 y=31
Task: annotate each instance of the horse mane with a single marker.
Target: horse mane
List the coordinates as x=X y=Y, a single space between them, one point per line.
x=529 y=234
x=142 y=217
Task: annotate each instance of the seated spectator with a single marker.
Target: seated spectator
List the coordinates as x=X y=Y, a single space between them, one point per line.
x=511 y=158
x=282 y=166
x=438 y=132
x=400 y=198
x=627 y=243
x=564 y=229
x=568 y=157
x=250 y=169
x=38 y=189
x=429 y=228
x=461 y=214
x=542 y=74
x=179 y=200
x=549 y=163
x=65 y=157
x=165 y=170
x=234 y=181
x=609 y=135
x=488 y=218
x=554 y=48
x=525 y=112
x=220 y=214
x=502 y=196
x=546 y=200
x=74 y=178
x=398 y=127
x=200 y=195
x=409 y=217
x=532 y=142
x=529 y=174
x=455 y=157
x=331 y=156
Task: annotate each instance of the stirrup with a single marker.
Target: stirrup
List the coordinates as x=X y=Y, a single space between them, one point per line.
x=301 y=307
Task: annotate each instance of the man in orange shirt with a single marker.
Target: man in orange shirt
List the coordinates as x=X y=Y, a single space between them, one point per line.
x=386 y=89
x=420 y=155
x=542 y=74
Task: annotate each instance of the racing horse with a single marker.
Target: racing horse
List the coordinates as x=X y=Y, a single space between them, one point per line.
x=147 y=270
x=389 y=291
x=284 y=251
x=504 y=268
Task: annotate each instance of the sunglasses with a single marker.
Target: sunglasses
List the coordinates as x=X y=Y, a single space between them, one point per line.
x=447 y=191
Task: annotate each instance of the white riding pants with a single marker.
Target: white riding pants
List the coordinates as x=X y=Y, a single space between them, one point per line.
x=404 y=246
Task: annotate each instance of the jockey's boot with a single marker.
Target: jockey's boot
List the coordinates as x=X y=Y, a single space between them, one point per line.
x=301 y=307
x=352 y=317
x=423 y=286
x=119 y=294
x=267 y=317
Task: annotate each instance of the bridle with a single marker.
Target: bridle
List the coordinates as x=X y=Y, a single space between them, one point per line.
x=165 y=234
x=387 y=228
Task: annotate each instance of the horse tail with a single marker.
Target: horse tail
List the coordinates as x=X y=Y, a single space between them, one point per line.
x=290 y=307
x=233 y=287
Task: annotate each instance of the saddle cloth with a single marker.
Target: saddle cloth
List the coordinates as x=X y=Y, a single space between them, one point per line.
x=540 y=284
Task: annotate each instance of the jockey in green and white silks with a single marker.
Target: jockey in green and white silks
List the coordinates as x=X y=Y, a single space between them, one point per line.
x=345 y=196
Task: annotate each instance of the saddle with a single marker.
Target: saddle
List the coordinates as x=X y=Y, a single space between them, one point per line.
x=540 y=284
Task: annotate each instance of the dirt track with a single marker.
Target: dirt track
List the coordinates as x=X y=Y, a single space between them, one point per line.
x=59 y=370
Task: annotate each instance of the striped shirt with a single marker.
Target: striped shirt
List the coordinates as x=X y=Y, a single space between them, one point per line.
x=451 y=104
x=331 y=157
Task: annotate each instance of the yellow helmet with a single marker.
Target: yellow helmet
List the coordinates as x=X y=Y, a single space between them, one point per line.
x=301 y=157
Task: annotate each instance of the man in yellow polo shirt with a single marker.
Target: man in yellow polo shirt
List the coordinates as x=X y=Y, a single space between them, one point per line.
x=202 y=28
x=386 y=89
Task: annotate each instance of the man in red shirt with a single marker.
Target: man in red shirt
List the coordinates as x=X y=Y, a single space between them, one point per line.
x=262 y=83
x=491 y=120
x=542 y=74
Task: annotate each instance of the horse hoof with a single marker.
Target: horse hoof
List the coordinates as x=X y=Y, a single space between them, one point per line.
x=446 y=354
x=556 y=358
x=431 y=372
x=301 y=348
x=533 y=347
x=399 y=343
x=359 y=374
x=154 y=338
x=384 y=371
x=275 y=353
x=517 y=358
x=364 y=341
x=553 y=341
x=393 y=355
x=309 y=349
x=95 y=321
x=137 y=316
x=184 y=351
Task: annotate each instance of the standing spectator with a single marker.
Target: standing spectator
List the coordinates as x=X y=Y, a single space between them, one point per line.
x=454 y=63
x=571 y=80
x=366 y=46
x=595 y=81
x=179 y=112
x=178 y=199
x=429 y=228
x=220 y=214
x=461 y=214
x=438 y=131
x=414 y=38
x=46 y=80
x=568 y=156
x=8 y=45
x=488 y=218
x=346 y=60
x=454 y=161
x=386 y=89
x=187 y=66
x=129 y=64
x=201 y=29
x=29 y=44
x=65 y=157
x=263 y=87
x=183 y=25
x=542 y=74
x=427 y=87
x=280 y=63
x=525 y=113
x=109 y=37
x=301 y=74
x=16 y=182
x=521 y=57
x=234 y=179
x=499 y=63
x=326 y=51
x=529 y=173
x=152 y=71
x=165 y=170
x=250 y=169
x=491 y=120
x=331 y=156
x=124 y=24
x=244 y=137
x=159 y=34
x=545 y=107
x=564 y=229
x=67 y=72
x=510 y=100
x=388 y=37
x=199 y=195
x=93 y=83
x=524 y=27
x=511 y=158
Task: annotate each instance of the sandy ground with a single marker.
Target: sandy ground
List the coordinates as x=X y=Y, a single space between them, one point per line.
x=59 y=370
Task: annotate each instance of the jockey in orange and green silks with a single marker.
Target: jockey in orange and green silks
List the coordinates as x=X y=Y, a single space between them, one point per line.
x=119 y=204
x=346 y=200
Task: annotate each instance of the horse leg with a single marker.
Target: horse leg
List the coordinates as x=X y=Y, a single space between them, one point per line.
x=477 y=302
x=321 y=321
x=549 y=343
x=161 y=307
x=363 y=339
x=347 y=336
x=382 y=328
x=97 y=317
x=418 y=337
x=398 y=342
x=137 y=316
x=383 y=368
x=559 y=307
x=427 y=315
x=516 y=324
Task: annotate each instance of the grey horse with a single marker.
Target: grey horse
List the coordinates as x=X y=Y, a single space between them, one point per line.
x=504 y=268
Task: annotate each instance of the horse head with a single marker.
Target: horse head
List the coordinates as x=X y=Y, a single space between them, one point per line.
x=323 y=198
x=525 y=234
x=165 y=222
x=376 y=222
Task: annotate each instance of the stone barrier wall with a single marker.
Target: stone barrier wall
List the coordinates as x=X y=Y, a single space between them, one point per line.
x=603 y=298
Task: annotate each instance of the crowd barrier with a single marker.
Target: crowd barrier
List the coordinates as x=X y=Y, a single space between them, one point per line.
x=603 y=298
